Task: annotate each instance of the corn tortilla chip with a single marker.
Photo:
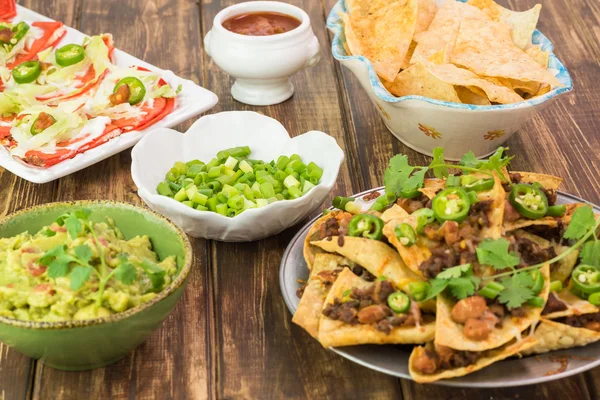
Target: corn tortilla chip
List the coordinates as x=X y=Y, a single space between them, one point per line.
x=444 y=28
x=486 y=48
x=575 y=305
x=308 y=313
x=546 y=221
x=540 y=56
x=552 y=335
x=376 y=257
x=358 y=7
x=314 y=234
x=468 y=96
x=522 y=24
x=547 y=181
x=490 y=357
x=462 y=77
x=417 y=80
x=451 y=334
x=383 y=37
x=339 y=333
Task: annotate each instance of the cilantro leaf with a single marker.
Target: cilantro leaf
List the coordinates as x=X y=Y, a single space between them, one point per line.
x=155 y=273
x=59 y=266
x=454 y=272
x=74 y=226
x=590 y=253
x=437 y=287
x=83 y=253
x=79 y=275
x=495 y=253
x=469 y=160
x=581 y=222
x=462 y=287
x=438 y=158
x=416 y=181
x=51 y=254
x=396 y=174
x=516 y=290
x=497 y=162
x=125 y=272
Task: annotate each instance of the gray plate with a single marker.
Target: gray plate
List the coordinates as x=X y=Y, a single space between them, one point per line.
x=393 y=360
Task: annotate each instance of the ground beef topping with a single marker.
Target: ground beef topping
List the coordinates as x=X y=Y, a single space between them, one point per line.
x=587 y=321
x=414 y=204
x=369 y=306
x=371 y=196
x=553 y=304
x=432 y=359
x=532 y=253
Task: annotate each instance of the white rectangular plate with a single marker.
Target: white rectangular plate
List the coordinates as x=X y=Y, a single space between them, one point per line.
x=191 y=101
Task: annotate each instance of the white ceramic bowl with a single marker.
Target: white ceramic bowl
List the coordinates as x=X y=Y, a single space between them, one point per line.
x=424 y=124
x=262 y=64
x=156 y=153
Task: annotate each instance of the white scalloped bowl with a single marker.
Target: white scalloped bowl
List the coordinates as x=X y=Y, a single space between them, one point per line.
x=156 y=153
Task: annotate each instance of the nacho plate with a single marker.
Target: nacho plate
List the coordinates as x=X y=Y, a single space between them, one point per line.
x=393 y=359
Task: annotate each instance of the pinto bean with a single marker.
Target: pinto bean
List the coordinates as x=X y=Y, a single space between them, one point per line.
x=450 y=229
x=471 y=307
x=372 y=314
x=425 y=362
x=510 y=214
x=476 y=329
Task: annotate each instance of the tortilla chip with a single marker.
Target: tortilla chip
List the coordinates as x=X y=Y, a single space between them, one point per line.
x=486 y=48
x=522 y=23
x=540 y=56
x=547 y=181
x=451 y=334
x=358 y=7
x=576 y=305
x=454 y=75
x=339 y=333
x=308 y=313
x=407 y=58
x=468 y=96
x=551 y=222
x=496 y=215
x=376 y=257
x=383 y=37
x=426 y=12
x=552 y=335
x=491 y=356
x=309 y=250
x=444 y=28
x=431 y=186
x=413 y=256
x=561 y=270
x=417 y=80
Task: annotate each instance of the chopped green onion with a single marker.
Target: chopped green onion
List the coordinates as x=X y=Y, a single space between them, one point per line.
x=556 y=286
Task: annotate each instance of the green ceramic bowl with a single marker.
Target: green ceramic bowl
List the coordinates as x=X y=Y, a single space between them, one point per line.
x=81 y=345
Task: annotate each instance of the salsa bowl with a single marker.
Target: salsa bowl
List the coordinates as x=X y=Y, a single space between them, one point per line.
x=423 y=123
x=154 y=156
x=86 y=344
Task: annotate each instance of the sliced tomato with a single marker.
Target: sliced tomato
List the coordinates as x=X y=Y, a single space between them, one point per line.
x=40 y=44
x=8 y=10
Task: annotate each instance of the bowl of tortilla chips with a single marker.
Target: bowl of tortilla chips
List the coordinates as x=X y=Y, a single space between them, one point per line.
x=446 y=73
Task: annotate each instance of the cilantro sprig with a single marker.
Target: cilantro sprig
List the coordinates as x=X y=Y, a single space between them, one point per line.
x=401 y=177
x=77 y=264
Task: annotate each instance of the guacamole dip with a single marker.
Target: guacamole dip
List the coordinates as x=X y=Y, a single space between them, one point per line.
x=76 y=269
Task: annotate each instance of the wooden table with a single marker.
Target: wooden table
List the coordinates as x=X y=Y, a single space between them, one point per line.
x=231 y=334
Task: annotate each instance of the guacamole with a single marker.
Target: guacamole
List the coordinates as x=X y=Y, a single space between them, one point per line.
x=75 y=269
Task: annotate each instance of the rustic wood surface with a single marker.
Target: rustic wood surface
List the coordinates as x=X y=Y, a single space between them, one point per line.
x=231 y=335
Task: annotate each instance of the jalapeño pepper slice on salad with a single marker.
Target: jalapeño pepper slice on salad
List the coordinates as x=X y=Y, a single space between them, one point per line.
x=451 y=204
x=137 y=90
x=367 y=226
x=399 y=302
x=70 y=54
x=529 y=201
x=27 y=72
x=586 y=280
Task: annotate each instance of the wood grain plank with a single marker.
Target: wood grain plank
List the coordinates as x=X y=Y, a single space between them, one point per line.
x=173 y=363
x=260 y=353
x=16 y=370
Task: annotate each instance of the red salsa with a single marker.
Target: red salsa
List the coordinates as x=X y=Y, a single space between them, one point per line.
x=261 y=23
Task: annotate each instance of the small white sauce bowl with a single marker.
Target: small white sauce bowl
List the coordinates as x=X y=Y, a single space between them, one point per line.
x=262 y=65
x=158 y=151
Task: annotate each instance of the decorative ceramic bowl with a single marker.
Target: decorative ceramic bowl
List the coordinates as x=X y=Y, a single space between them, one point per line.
x=423 y=123
x=81 y=345
x=158 y=151
x=262 y=65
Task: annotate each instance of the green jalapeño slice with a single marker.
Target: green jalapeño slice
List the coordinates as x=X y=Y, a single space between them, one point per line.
x=451 y=204
x=367 y=226
x=529 y=201
x=70 y=54
x=27 y=72
x=137 y=90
